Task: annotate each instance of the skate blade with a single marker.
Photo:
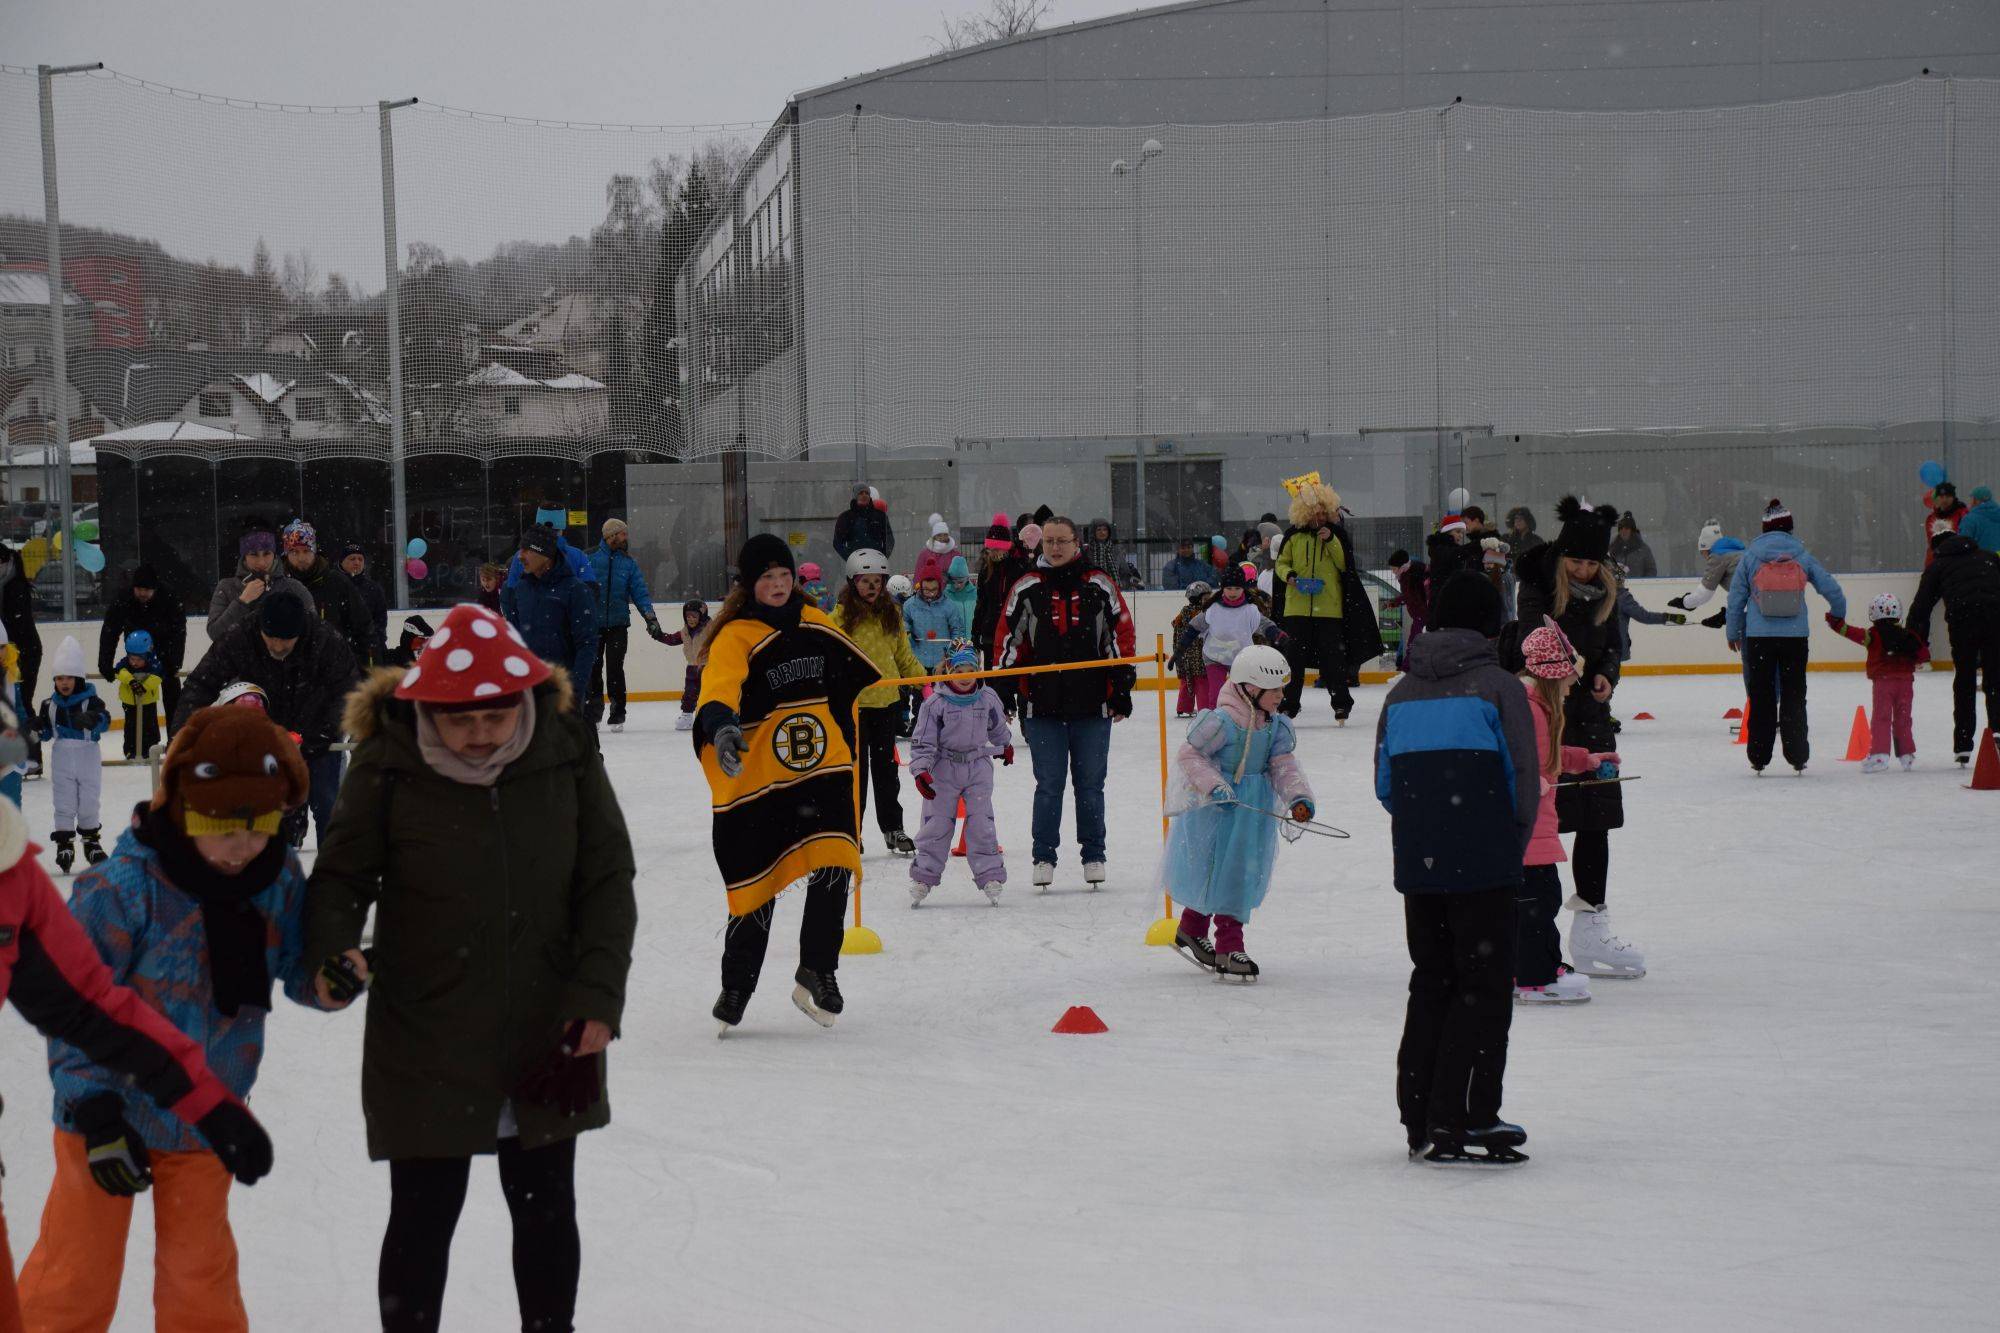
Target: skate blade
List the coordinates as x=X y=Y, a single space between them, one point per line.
x=723 y=1029
x=1498 y=1157
x=1607 y=975
x=1237 y=977
x=1550 y=1004
x=1192 y=958
x=804 y=1000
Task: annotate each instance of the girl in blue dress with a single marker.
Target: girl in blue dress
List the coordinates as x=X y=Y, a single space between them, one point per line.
x=1239 y=778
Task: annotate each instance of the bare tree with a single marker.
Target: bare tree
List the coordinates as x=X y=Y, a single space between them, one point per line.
x=299 y=277
x=998 y=19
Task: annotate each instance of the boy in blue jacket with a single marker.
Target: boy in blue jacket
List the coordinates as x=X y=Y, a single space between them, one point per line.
x=1457 y=770
x=1768 y=624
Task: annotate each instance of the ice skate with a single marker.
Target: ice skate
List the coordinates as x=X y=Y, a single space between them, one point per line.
x=1599 y=953
x=1045 y=875
x=1236 y=966
x=729 y=1007
x=1197 y=951
x=1874 y=763
x=992 y=892
x=1567 y=988
x=685 y=722
x=65 y=850
x=1963 y=758
x=1498 y=1144
x=93 y=850
x=1093 y=874
x=817 y=996
x=1908 y=761
x=614 y=726
x=899 y=843
x=918 y=892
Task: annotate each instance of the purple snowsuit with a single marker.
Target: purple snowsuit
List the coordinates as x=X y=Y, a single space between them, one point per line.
x=955 y=741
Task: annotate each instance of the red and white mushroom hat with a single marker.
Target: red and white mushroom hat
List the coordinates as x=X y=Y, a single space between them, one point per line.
x=474 y=655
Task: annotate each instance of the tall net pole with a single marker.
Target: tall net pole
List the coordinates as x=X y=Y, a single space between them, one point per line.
x=399 y=536
x=59 y=334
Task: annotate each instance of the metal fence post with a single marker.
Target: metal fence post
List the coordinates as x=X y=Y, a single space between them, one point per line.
x=399 y=537
x=59 y=336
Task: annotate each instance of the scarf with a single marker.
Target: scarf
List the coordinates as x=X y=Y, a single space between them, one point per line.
x=449 y=763
x=239 y=970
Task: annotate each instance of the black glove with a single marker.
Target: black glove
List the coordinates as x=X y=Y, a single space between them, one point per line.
x=924 y=787
x=1121 y=701
x=563 y=1081
x=238 y=1140
x=653 y=628
x=118 y=1159
x=343 y=982
x=1678 y=603
x=1718 y=620
x=730 y=747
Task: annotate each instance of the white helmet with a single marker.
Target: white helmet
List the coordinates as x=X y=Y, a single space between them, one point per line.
x=899 y=585
x=245 y=692
x=866 y=561
x=1260 y=667
x=1885 y=607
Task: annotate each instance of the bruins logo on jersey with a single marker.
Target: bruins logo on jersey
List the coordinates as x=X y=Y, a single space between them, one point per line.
x=799 y=741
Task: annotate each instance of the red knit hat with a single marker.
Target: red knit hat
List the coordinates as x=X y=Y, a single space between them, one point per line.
x=474 y=655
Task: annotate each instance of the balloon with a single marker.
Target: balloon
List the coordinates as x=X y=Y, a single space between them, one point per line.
x=1930 y=472
x=90 y=557
x=1219 y=542
x=86 y=531
x=416 y=569
x=1458 y=499
x=417 y=547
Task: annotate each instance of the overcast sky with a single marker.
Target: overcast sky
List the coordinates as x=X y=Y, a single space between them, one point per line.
x=207 y=181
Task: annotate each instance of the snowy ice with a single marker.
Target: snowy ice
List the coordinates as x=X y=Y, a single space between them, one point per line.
x=1783 y=1126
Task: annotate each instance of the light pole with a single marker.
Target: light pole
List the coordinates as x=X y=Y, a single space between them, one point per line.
x=125 y=410
x=1148 y=150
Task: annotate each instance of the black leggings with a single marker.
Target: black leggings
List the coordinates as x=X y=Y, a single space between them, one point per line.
x=820 y=932
x=1590 y=865
x=425 y=1196
x=879 y=727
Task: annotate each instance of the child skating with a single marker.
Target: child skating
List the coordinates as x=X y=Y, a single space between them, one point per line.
x=139 y=691
x=1188 y=663
x=1242 y=775
x=1231 y=622
x=960 y=730
x=1894 y=654
x=694 y=619
x=71 y=722
x=1539 y=975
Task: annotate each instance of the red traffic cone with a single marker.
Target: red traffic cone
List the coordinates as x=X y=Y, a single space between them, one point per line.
x=1743 y=727
x=960 y=849
x=1986 y=769
x=1079 y=1020
x=1858 y=739
x=1644 y=717
x=1737 y=713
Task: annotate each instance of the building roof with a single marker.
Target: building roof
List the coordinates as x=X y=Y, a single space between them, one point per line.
x=188 y=432
x=30 y=288
x=494 y=375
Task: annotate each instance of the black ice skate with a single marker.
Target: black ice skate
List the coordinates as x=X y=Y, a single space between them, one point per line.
x=1199 y=952
x=1498 y=1144
x=729 y=1007
x=900 y=844
x=817 y=996
x=93 y=850
x=1235 y=967
x=65 y=850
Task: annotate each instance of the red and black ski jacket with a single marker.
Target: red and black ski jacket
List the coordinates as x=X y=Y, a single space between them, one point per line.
x=1074 y=613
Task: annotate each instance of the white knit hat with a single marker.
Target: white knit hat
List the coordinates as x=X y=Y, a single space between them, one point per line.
x=1711 y=533
x=68 y=660
x=938 y=525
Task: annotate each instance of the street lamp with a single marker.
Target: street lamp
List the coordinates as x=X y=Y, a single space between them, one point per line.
x=1148 y=150
x=126 y=410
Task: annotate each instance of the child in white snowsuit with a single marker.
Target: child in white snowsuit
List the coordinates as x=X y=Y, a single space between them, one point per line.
x=1239 y=771
x=71 y=722
x=959 y=731
x=1231 y=622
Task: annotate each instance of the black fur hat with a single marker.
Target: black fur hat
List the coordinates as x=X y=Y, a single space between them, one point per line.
x=1586 y=533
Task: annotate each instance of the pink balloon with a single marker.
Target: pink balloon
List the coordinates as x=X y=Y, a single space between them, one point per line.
x=416 y=568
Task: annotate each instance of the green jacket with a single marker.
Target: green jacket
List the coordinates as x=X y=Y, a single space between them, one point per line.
x=1304 y=556
x=501 y=914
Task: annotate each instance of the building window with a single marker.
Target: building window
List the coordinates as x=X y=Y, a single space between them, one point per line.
x=215 y=403
x=116 y=279
x=511 y=404
x=312 y=409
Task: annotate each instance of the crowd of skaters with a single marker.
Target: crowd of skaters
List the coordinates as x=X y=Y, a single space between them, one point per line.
x=479 y=718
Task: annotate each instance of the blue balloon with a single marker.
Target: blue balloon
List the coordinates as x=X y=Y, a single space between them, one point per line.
x=90 y=557
x=1931 y=472
x=417 y=547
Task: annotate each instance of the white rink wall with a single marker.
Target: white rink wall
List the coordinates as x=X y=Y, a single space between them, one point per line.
x=657 y=672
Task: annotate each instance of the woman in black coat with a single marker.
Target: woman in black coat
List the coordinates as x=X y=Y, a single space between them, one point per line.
x=1571 y=582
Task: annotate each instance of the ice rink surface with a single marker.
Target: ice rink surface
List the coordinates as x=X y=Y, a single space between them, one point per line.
x=1783 y=1126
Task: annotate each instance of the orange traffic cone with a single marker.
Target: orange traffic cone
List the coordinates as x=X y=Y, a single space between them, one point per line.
x=1858 y=739
x=1079 y=1020
x=1644 y=717
x=1743 y=727
x=960 y=849
x=1986 y=769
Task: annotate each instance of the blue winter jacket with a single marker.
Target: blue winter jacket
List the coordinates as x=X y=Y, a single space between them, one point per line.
x=619 y=585
x=1982 y=524
x=556 y=617
x=1747 y=622
x=579 y=563
x=1456 y=767
x=1185 y=569
x=932 y=627
x=77 y=717
x=151 y=935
